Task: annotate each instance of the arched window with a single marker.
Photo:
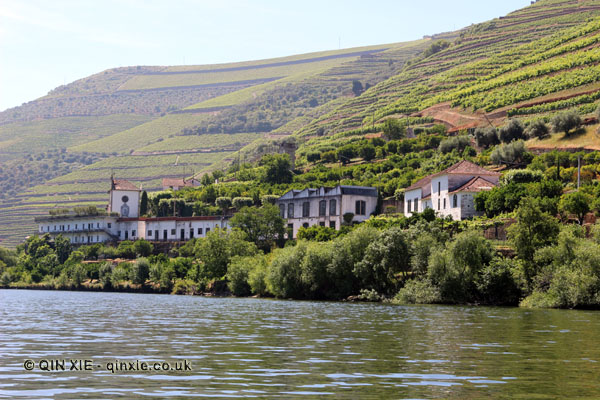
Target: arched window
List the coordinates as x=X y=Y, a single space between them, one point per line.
x=305 y=225
x=332 y=207
x=282 y=210
x=291 y=210
x=322 y=208
x=455 y=201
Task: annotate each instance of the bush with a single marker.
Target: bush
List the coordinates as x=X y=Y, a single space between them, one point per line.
x=514 y=130
x=143 y=248
x=370 y=295
x=393 y=129
x=522 y=176
x=313 y=156
x=458 y=143
x=486 y=137
x=512 y=154
x=257 y=277
x=418 y=291
x=537 y=129
x=139 y=271
x=284 y=278
x=566 y=122
x=241 y=202
x=238 y=274
x=497 y=285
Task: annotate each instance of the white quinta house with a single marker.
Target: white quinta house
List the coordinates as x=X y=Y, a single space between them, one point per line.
x=450 y=192
x=326 y=206
x=121 y=221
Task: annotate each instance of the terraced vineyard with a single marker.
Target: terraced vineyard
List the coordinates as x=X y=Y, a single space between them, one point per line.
x=155 y=122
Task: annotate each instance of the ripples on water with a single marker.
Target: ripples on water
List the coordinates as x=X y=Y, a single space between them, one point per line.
x=268 y=348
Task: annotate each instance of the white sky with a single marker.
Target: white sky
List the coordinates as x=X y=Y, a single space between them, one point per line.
x=46 y=43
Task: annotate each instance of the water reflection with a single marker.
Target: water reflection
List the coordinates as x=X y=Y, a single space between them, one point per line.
x=269 y=348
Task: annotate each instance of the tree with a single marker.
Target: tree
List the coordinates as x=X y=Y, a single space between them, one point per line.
x=577 y=203
x=384 y=258
x=268 y=199
x=278 y=168
x=63 y=248
x=140 y=271
x=224 y=203
x=313 y=156
x=143 y=248
x=511 y=153
x=486 y=137
x=144 y=203
x=393 y=129
x=346 y=153
x=262 y=226
x=512 y=131
x=367 y=152
x=218 y=247
x=533 y=230
x=436 y=47
x=241 y=202
x=566 y=122
x=357 y=88
x=537 y=129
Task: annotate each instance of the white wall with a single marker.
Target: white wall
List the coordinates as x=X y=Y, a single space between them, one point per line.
x=411 y=195
x=116 y=202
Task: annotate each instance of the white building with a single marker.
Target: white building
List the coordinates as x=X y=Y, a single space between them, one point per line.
x=326 y=206
x=450 y=192
x=122 y=221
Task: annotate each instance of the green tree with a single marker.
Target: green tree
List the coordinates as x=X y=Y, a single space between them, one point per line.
x=263 y=226
x=394 y=129
x=486 y=137
x=217 y=249
x=278 y=168
x=384 y=258
x=224 y=203
x=537 y=129
x=367 y=152
x=140 y=271
x=241 y=202
x=566 y=122
x=63 y=248
x=533 y=230
x=514 y=130
x=577 y=203
x=357 y=88
x=144 y=203
x=143 y=248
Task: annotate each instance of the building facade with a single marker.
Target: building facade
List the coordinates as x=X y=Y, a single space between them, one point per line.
x=326 y=206
x=450 y=192
x=122 y=222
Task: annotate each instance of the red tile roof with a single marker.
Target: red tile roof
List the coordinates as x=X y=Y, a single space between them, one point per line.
x=421 y=183
x=122 y=184
x=477 y=184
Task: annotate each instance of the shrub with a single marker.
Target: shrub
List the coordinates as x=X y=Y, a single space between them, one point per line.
x=238 y=274
x=522 y=176
x=514 y=130
x=418 y=291
x=370 y=295
x=458 y=143
x=566 y=122
x=486 y=137
x=143 y=248
x=313 y=156
x=511 y=154
x=139 y=271
x=105 y=274
x=284 y=278
x=257 y=277
x=496 y=283
x=241 y=202
x=537 y=129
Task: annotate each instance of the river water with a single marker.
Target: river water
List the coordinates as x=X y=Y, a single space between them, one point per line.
x=291 y=349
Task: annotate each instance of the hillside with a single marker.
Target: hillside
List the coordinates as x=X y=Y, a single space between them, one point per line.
x=146 y=123
x=245 y=102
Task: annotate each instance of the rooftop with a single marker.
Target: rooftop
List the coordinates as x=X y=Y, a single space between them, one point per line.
x=122 y=184
x=477 y=184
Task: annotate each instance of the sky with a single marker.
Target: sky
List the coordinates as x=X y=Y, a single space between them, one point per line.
x=45 y=44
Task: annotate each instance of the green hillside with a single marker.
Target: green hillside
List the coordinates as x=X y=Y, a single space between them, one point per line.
x=146 y=123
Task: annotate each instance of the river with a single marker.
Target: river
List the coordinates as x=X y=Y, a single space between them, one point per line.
x=265 y=348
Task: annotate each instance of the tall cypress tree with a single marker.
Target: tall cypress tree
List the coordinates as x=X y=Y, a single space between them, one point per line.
x=144 y=203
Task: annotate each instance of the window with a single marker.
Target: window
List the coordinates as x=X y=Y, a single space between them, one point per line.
x=119 y=233
x=97 y=238
x=150 y=233
x=68 y=227
x=444 y=203
x=305 y=225
x=109 y=225
x=439 y=187
x=332 y=207
x=199 y=231
x=416 y=205
x=360 y=207
x=454 y=201
x=76 y=239
x=322 y=208
x=306 y=209
x=438 y=204
x=97 y=224
x=322 y=223
x=408 y=206
x=291 y=210
x=191 y=233
x=282 y=210
x=332 y=224
x=207 y=230
x=172 y=232
x=133 y=233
